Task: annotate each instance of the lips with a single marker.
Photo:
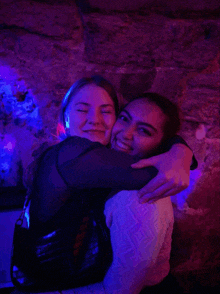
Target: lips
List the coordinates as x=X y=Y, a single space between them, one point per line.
x=120 y=145
x=94 y=131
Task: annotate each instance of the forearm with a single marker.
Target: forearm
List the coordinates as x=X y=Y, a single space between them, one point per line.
x=96 y=166
x=182 y=151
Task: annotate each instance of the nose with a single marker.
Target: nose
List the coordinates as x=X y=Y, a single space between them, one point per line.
x=94 y=117
x=128 y=133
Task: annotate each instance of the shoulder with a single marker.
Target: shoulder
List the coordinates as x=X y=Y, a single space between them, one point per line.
x=73 y=147
x=126 y=203
x=79 y=142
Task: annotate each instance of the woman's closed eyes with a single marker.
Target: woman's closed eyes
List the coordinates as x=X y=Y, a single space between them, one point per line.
x=102 y=111
x=82 y=107
x=82 y=110
x=107 y=111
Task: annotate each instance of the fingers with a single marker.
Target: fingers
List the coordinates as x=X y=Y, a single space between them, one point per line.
x=162 y=192
x=152 y=200
x=152 y=186
x=157 y=194
x=172 y=192
x=142 y=163
x=177 y=183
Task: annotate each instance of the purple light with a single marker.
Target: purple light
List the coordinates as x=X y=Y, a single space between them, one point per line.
x=180 y=199
x=19 y=112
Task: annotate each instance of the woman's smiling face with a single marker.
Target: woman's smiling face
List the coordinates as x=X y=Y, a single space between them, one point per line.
x=139 y=128
x=91 y=114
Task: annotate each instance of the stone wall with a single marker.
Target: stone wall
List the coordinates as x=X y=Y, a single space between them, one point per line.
x=45 y=47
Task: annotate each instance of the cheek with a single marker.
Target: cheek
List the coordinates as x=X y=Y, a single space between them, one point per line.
x=146 y=145
x=116 y=129
x=76 y=121
x=110 y=121
x=79 y=117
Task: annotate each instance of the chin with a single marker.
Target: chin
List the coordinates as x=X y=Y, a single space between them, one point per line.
x=103 y=142
x=106 y=142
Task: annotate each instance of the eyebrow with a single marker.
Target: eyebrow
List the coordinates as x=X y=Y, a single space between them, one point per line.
x=107 y=105
x=140 y=122
x=87 y=104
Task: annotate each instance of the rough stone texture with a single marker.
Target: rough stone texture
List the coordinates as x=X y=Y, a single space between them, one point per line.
x=42 y=19
x=41 y=43
x=150 y=40
x=125 y=5
x=45 y=47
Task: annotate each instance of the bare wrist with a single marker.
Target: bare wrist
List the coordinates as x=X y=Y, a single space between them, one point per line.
x=182 y=150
